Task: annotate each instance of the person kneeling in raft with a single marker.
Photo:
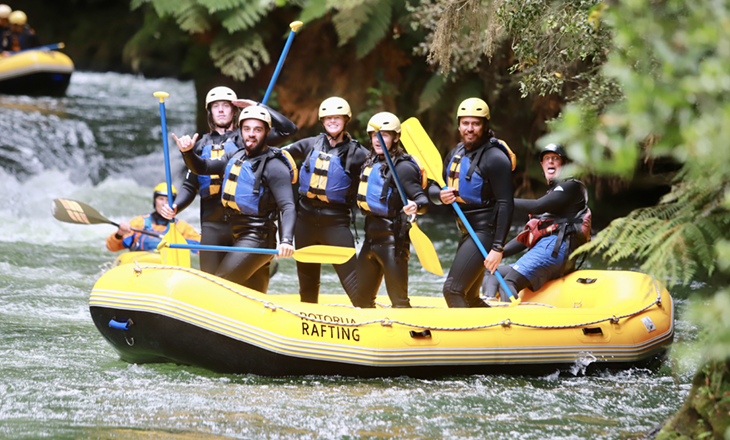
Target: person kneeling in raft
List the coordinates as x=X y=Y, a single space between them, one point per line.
x=387 y=245
x=560 y=221
x=153 y=222
x=256 y=192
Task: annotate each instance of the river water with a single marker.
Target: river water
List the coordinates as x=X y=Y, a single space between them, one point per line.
x=101 y=144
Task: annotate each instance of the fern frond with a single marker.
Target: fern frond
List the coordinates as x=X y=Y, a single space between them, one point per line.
x=375 y=29
x=349 y=21
x=431 y=92
x=246 y=16
x=193 y=18
x=222 y=5
x=239 y=57
x=164 y=8
x=136 y=4
x=313 y=10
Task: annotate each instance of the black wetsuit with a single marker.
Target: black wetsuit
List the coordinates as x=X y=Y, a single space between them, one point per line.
x=214 y=227
x=491 y=221
x=26 y=39
x=564 y=200
x=254 y=231
x=321 y=222
x=386 y=250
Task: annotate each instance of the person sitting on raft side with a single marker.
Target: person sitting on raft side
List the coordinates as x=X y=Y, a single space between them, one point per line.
x=560 y=222
x=386 y=249
x=222 y=106
x=5 y=11
x=328 y=180
x=20 y=35
x=478 y=173
x=256 y=192
x=153 y=222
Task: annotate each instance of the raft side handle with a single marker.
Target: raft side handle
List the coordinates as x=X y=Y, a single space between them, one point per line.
x=121 y=324
x=592 y=331
x=423 y=334
x=586 y=280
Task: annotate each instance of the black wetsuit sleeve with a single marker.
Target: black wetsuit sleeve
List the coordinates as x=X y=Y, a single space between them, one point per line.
x=499 y=170
x=278 y=180
x=301 y=148
x=187 y=193
x=410 y=178
x=281 y=127
x=556 y=201
x=199 y=166
x=512 y=248
x=358 y=159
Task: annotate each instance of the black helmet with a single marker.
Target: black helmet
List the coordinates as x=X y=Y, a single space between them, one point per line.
x=554 y=148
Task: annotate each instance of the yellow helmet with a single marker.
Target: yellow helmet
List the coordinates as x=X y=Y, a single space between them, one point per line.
x=255 y=112
x=473 y=107
x=161 y=190
x=334 y=106
x=220 y=94
x=5 y=11
x=18 y=17
x=386 y=121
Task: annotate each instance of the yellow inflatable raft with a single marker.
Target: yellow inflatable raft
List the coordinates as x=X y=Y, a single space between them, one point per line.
x=138 y=257
x=35 y=72
x=153 y=313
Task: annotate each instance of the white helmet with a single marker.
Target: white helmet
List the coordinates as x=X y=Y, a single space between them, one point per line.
x=220 y=94
x=255 y=112
x=386 y=121
x=334 y=106
x=5 y=11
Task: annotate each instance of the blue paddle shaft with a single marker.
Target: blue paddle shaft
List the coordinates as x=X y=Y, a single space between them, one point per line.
x=204 y=247
x=46 y=47
x=279 y=65
x=479 y=244
x=168 y=178
x=391 y=165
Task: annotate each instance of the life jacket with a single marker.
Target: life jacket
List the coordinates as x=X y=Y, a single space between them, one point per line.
x=468 y=185
x=323 y=175
x=144 y=242
x=211 y=185
x=376 y=186
x=242 y=191
x=565 y=226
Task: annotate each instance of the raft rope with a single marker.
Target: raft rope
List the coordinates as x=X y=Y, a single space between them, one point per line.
x=389 y=322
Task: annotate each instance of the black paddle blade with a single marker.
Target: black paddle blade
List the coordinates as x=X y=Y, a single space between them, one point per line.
x=71 y=211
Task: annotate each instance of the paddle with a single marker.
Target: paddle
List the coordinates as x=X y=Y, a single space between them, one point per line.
x=71 y=211
x=46 y=47
x=310 y=254
x=424 y=248
x=295 y=25
x=170 y=257
x=419 y=144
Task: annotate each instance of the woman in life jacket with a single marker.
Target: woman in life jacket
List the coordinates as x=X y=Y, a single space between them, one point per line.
x=124 y=237
x=222 y=106
x=560 y=221
x=478 y=173
x=386 y=250
x=256 y=192
x=328 y=180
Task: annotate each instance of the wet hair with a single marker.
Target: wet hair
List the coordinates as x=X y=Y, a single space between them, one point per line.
x=235 y=111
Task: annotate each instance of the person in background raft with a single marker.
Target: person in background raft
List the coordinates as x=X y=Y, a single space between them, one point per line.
x=20 y=36
x=478 y=173
x=154 y=222
x=256 y=191
x=559 y=222
x=223 y=138
x=328 y=180
x=386 y=249
x=5 y=11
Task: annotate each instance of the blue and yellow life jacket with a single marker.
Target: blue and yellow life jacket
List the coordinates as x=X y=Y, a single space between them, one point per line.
x=323 y=175
x=211 y=185
x=376 y=186
x=469 y=185
x=143 y=242
x=242 y=190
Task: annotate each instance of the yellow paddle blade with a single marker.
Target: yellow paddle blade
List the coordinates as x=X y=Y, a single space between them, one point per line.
x=175 y=257
x=419 y=144
x=425 y=250
x=324 y=254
